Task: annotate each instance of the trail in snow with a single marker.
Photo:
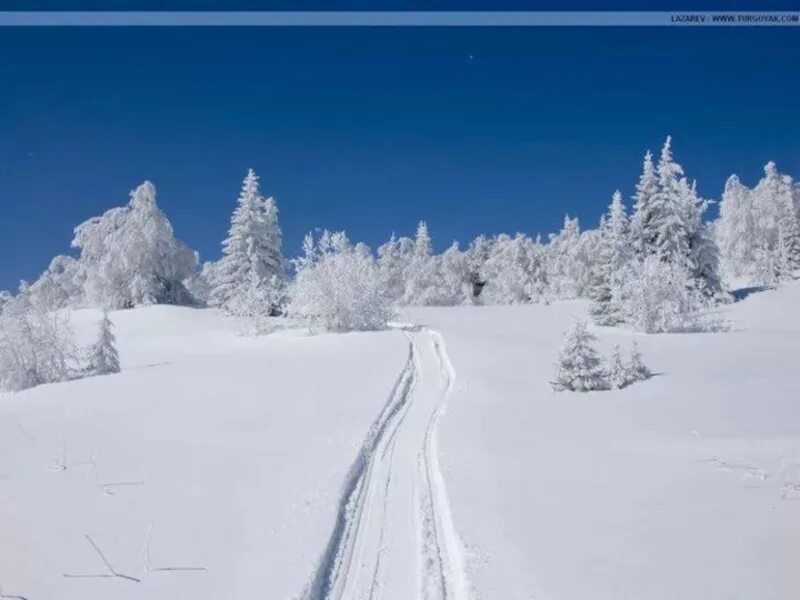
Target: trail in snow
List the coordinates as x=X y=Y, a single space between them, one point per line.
x=394 y=537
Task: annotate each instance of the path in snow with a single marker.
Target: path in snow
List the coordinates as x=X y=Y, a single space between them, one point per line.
x=394 y=537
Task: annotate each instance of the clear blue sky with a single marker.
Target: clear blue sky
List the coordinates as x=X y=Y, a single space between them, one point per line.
x=370 y=130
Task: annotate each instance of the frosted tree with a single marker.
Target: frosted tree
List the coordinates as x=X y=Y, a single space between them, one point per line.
x=455 y=286
x=613 y=254
x=253 y=245
x=421 y=272
x=568 y=260
x=509 y=270
x=656 y=296
x=758 y=230
x=477 y=254
x=635 y=368
x=103 y=356
x=394 y=258
x=256 y=301
x=36 y=347
x=130 y=256
x=338 y=286
x=736 y=232
x=579 y=367
x=643 y=224
x=703 y=257
x=61 y=285
x=670 y=219
x=617 y=371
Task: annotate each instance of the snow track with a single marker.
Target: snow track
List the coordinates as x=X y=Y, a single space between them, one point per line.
x=394 y=537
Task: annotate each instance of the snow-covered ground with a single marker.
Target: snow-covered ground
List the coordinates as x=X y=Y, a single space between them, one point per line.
x=433 y=462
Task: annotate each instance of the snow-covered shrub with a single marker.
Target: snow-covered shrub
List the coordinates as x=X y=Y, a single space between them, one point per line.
x=102 y=356
x=130 y=256
x=251 y=250
x=616 y=370
x=36 y=347
x=621 y=373
x=256 y=300
x=655 y=296
x=635 y=367
x=579 y=367
x=338 y=286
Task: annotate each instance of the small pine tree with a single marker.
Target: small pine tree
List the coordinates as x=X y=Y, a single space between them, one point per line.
x=617 y=371
x=579 y=367
x=636 y=369
x=103 y=358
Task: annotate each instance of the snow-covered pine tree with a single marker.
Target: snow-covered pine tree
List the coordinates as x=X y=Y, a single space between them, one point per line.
x=421 y=272
x=613 y=254
x=578 y=367
x=617 y=370
x=477 y=254
x=455 y=287
x=735 y=231
x=670 y=218
x=103 y=356
x=393 y=259
x=253 y=244
x=703 y=259
x=643 y=226
x=635 y=367
x=508 y=270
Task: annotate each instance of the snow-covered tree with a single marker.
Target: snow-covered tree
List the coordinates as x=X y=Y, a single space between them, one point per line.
x=477 y=254
x=422 y=270
x=103 y=356
x=338 y=286
x=579 y=367
x=568 y=261
x=253 y=245
x=616 y=370
x=394 y=258
x=256 y=301
x=655 y=296
x=130 y=256
x=36 y=347
x=509 y=270
x=60 y=285
x=614 y=252
x=643 y=224
x=759 y=230
x=455 y=285
x=736 y=232
x=635 y=367
x=670 y=218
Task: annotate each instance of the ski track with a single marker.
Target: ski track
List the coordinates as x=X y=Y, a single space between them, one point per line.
x=394 y=536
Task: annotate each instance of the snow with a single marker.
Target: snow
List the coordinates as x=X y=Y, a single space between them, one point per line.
x=676 y=487
x=383 y=461
x=242 y=445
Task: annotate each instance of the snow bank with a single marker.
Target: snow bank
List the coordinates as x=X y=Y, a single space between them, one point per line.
x=677 y=487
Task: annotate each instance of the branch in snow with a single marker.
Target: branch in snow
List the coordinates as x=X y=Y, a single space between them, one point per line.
x=111 y=571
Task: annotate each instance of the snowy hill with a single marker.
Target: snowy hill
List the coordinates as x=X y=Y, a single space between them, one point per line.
x=220 y=466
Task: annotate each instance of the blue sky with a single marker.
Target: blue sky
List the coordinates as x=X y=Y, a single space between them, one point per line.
x=370 y=130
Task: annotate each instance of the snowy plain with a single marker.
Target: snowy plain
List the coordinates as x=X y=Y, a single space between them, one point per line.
x=280 y=465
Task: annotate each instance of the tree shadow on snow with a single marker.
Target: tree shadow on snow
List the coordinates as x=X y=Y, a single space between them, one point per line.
x=742 y=293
